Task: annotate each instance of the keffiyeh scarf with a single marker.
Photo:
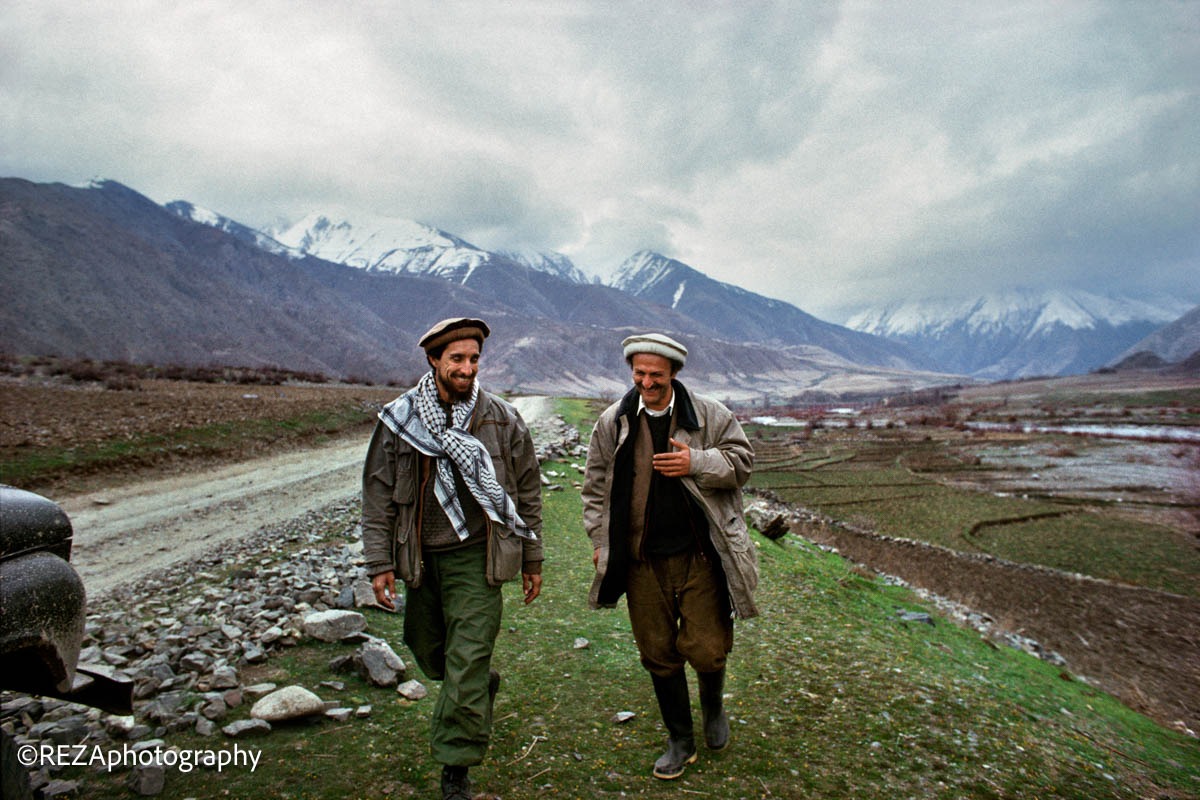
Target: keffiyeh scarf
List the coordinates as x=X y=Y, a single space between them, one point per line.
x=417 y=417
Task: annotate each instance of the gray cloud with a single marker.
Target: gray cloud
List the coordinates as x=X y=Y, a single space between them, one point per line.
x=828 y=155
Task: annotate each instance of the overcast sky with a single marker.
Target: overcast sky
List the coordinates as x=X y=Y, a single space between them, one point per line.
x=827 y=154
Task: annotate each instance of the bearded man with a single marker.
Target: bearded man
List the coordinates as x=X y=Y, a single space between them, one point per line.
x=452 y=507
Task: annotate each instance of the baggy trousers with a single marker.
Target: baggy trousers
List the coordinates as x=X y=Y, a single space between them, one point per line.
x=679 y=614
x=450 y=624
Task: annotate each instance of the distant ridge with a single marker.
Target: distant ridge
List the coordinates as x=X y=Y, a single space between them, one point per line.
x=741 y=315
x=684 y=298
x=103 y=272
x=1174 y=342
x=1020 y=333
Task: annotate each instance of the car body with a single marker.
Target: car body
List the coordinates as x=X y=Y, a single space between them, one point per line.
x=43 y=609
x=43 y=616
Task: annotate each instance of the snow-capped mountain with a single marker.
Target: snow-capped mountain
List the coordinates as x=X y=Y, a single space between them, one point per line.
x=741 y=315
x=401 y=245
x=385 y=245
x=1010 y=335
x=641 y=288
x=154 y=286
x=1021 y=333
x=247 y=234
x=549 y=262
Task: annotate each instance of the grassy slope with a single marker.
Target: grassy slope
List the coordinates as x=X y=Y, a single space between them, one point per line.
x=830 y=695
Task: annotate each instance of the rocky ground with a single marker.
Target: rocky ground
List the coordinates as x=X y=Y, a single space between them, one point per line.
x=151 y=550
x=159 y=614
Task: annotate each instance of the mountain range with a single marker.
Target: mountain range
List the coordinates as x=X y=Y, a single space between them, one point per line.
x=1001 y=336
x=104 y=272
x=1020 y=334
x=1175 y=343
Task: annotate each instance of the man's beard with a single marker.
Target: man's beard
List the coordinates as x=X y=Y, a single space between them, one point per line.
x=455 y=395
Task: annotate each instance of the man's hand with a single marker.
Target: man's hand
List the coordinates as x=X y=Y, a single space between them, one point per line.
x=532 y=585
x=384 y=585
x=674 y=464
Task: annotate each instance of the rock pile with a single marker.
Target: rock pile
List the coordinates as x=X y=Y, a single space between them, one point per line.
x=554 y=439
x=187 y=636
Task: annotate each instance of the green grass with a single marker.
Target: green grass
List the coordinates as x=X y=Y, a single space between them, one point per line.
x=889 y=483
x=830 y=695
x=579 y=413
x=1154 y=398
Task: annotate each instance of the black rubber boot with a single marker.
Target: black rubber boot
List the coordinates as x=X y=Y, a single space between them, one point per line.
x=455 y=783
x=493 y=685
x=712 y=706
x=676 y=708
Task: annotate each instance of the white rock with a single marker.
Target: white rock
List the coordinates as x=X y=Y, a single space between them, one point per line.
x=413 y=690
x=290 y=702
x=334 y=625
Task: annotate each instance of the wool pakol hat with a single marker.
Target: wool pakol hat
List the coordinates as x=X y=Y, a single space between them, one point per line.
x=656 y=343
x=453 y=329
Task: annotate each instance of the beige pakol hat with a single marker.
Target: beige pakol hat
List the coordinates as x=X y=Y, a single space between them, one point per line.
x=453 y=329
x=657 y=343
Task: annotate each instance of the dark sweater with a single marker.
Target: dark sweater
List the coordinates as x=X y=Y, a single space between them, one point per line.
x=673 y=524
x=437 y=533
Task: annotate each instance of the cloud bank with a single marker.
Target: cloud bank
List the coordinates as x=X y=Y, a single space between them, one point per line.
x=831 y=155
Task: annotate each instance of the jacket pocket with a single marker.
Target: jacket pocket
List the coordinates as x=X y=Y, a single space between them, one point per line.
x=506 y=554
x=499 y=466
x=405 y=480
x=746 y=563
x=737 y=534
x=405 y=549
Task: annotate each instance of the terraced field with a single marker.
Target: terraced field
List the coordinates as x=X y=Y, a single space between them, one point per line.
x=1090 y=545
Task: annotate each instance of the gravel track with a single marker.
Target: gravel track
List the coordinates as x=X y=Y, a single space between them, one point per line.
x=130 y=531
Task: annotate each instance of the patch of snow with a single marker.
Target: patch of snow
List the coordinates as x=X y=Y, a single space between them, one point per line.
x=678 y=294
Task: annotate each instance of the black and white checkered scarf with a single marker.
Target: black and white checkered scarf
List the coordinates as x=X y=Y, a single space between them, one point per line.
x=418 y=418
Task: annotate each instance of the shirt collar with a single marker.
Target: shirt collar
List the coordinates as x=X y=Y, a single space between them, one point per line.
x=666 y=412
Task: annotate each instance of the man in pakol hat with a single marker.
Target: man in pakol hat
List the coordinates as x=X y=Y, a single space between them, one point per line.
x=662 y=503
x=453 y=525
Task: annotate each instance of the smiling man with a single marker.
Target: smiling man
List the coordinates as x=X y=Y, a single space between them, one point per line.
x=662 y=503
x=452 y=506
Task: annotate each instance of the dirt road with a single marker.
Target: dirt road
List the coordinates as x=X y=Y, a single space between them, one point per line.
x=133 y=530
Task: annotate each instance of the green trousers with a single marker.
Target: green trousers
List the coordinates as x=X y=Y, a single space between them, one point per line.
x=450 y=624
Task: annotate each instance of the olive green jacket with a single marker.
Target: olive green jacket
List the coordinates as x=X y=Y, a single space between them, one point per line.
x=393 y=493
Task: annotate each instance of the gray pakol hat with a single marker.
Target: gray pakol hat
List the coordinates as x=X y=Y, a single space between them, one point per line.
x=658 y=344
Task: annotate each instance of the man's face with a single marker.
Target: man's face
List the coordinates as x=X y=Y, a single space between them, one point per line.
x=455 y=371
x=652 y=376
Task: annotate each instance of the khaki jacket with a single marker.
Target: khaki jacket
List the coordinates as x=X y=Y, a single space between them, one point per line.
x=721 y=460
x=392 y=497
